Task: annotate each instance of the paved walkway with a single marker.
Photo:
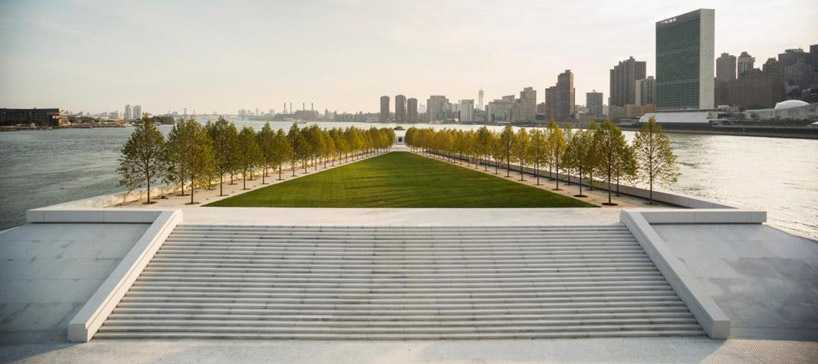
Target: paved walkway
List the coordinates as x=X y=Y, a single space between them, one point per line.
x=636 y=350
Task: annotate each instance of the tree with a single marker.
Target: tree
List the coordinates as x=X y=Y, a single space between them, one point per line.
x=497 y=151
x=625 y=166
x=594 y=152
x=223 y=136
x=282 y=150
x=654 y=156
x=579 y=154
x=175 y=154
x=140 y=160
x=266 y=142
x=250 y=155
x=483 y=144
x=538 y=151
x=556 y=145
x=521 y=148
x=507 y=141
x=292 y=138
x=200 y=158
x=612 y=147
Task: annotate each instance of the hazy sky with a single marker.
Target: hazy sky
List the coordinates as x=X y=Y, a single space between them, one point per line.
x=343 y=55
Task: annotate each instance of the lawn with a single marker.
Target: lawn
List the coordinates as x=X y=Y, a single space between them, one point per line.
x=399 y=179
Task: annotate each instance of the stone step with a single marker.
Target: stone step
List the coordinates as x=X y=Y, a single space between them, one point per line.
x=400 y=330
x=510 y=317
x=273 y=282
x=657 y=332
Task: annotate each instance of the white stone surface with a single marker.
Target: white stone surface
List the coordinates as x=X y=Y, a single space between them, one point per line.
x=399 y=216
x=49 y=271
x=764 y=279
x=636 y=350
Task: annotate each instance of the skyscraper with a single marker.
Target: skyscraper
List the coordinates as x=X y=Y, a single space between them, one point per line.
x=384 y=117
x=436 y=108
x=400 y=109
x=137 y=112
x=684 y=61
x=593 y=100
x=480 y=99
x=623 y=81
x=128 y=113
x=525 y=108
x=466 y=111
x=559 y=99
x=746 y=63
x=726 y=67
x=646 y=91
x=412 y=110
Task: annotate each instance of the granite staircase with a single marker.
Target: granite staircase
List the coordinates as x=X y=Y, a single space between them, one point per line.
x=276 y=282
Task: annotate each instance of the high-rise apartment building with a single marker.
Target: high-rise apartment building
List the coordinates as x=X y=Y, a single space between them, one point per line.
x=726 y=67
x=559 y=99
x=593 y=101
x=466 y=110
x=746 y=63
x=128 y=113
x=623 y=81
x=684 y=61
x=384 y=116
x=645 y=91
x=525 y=108
x=412 y=110
x=500 y=110
x=137 y=112
x=438 y=108
x=400 y=109
x=480 y=99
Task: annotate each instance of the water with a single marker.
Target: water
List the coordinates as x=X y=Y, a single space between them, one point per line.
x=41 y=168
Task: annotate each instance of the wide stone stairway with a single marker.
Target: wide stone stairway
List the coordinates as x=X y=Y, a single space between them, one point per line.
x=276 y=282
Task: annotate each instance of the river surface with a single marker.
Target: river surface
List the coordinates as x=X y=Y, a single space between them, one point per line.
x=42 y=168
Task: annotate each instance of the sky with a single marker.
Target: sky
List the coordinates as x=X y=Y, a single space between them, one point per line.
x=223 y=56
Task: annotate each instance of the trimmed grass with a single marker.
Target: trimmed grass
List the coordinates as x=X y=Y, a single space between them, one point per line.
x=399 y=179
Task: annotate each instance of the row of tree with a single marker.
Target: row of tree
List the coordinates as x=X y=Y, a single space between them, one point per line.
x=599 y=150
x=196 y=155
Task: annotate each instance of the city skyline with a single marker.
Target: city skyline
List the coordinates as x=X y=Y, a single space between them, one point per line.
x=220 y=58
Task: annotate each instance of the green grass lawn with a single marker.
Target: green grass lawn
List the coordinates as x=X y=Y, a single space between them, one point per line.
x=399 y=179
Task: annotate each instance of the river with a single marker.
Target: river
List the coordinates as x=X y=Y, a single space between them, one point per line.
x=41 y=168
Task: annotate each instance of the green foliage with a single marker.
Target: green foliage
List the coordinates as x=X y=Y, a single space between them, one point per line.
x=400 y=180
x=223 y=137
x=654 y=156
x=140 y=161
x=250 y=156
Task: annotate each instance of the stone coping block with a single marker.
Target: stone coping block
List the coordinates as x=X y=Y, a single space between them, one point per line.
x=96 y=310
x=91 y=215
x=710 y=316
x=702 y=216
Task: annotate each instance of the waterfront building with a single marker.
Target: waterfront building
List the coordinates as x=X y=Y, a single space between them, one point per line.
x=800 y=75
x=466 y=111
x=412 y=110
x=384 y=115
x=39 y=117
x=137 y=112
x=726 y=67
x=129 y=113
x=760 y=88
x=623 y=81
x=480 y=99
x=745 y=63
x=593 y=100
x=725 y=79
x=438 y=108
x=645 y=91
x=400 y=109
x=559 y=99
x=525 y=108
x=684 y=61
x=499 y=110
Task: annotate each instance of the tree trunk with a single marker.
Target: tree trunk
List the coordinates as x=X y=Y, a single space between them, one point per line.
x=221 y=183
x=149 y=190
x=192 y=190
